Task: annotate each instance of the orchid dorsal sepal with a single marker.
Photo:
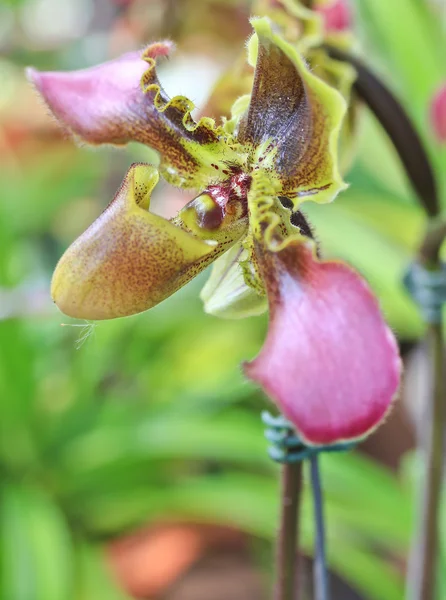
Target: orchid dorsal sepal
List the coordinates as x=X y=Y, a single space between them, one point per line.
x=297 y=117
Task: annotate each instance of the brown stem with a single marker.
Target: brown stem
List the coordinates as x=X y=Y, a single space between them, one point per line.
x=424 y=557
x=393 y=118
x=429 y=253
x=287 y=544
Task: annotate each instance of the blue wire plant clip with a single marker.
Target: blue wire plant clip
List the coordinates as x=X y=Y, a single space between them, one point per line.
x=286 y=447
x=428 y=289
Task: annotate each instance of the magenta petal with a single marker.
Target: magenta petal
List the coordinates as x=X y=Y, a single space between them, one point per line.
x=122 y=101
x=329 y=360
x=336 y=15
x=101 y=104
x=438 y=114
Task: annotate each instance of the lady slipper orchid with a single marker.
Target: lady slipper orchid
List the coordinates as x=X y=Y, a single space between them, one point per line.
x=329 y=361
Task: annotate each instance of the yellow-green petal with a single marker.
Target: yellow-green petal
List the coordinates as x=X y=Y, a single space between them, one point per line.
x=129 y=259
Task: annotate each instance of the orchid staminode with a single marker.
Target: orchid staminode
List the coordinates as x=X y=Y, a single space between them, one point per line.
x=329 y=361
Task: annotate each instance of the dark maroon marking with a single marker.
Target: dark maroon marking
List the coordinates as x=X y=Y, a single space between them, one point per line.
x=297 y=218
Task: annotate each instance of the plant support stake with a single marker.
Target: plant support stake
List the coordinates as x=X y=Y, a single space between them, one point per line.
x=321 y=587
x=288 y=449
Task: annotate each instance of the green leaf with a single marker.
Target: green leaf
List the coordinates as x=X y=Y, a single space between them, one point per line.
x=413 y=52
x=369 y=574
x=369 y=499
x=35 y=547
x=412 y=57
x=229 y=499
x=94 y=581
x=17 y=388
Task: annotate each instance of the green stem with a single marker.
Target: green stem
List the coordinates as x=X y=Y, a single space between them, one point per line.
x=288 y=538
x=426 y=545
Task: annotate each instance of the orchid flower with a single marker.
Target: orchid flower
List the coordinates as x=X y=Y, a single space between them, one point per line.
x=329 y=361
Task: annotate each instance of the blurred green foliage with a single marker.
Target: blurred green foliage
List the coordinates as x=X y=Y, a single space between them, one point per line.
x=105 y=428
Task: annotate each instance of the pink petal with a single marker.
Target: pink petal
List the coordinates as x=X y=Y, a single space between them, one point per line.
x=336 y=16
x=122 y=101
x=438 y=114
x=101 y=104
x=329 y=360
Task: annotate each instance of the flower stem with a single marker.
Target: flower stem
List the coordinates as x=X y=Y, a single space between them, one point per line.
x=287 y=555
x=426 y=545
x=425 y=552
x=321 y=587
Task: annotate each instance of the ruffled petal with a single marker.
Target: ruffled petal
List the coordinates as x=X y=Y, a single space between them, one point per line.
x=293 y=120
x=129 y=259
x=121 y=101
x=329 y=360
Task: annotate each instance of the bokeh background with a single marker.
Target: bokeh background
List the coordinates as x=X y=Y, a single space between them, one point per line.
x=132 y=461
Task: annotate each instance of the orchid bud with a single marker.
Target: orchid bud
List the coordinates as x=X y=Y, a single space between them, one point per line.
x=438 y=114
x=336 y=15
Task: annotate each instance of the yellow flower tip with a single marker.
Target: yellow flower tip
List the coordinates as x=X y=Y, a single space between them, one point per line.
x=141 y=180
